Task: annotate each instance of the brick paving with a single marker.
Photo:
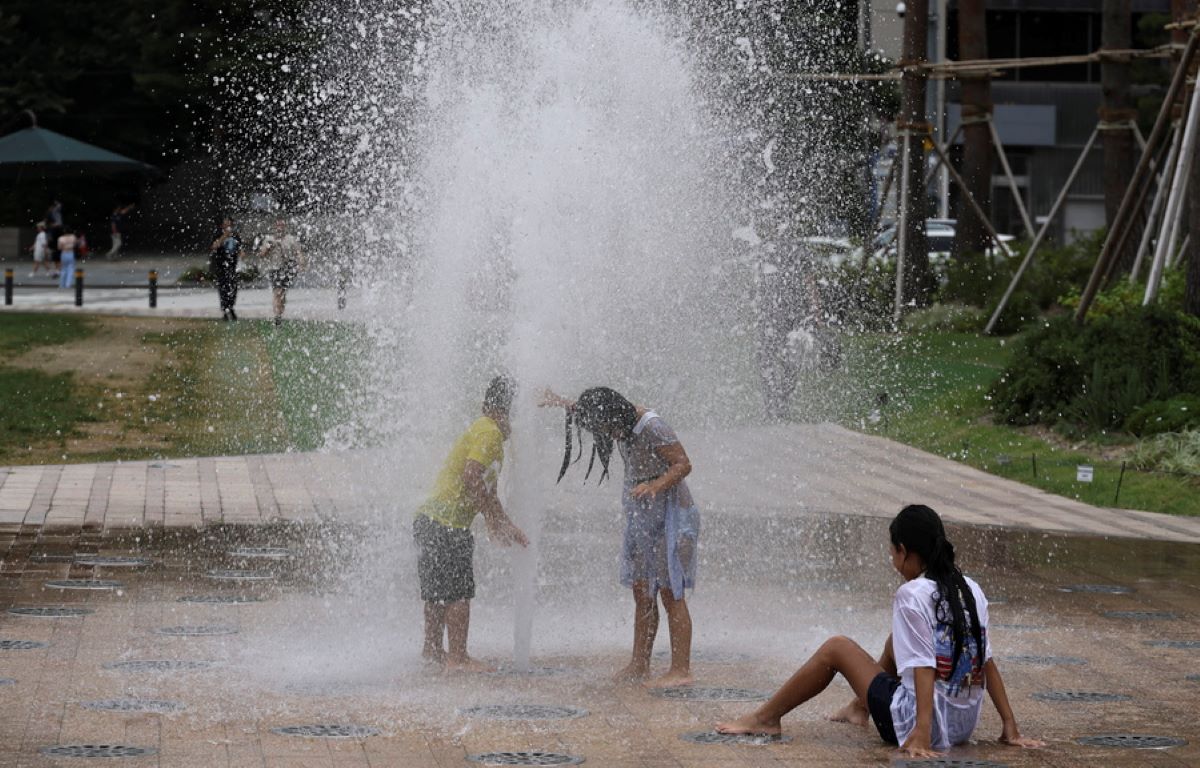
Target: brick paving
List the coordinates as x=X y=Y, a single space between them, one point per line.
x=792 y=552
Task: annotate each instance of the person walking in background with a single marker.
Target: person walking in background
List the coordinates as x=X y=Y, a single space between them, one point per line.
x=281 y=259
x=223 y=262
x=54 y=229
x=117 y=229
x=41 y=249
x=465 y=487
x=66 y=256
x=662 y=523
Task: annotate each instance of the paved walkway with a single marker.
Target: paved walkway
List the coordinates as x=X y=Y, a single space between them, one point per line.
x=780 y=470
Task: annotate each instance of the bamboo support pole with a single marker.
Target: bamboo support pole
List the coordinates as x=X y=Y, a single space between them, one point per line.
x=1170 y=228
x=1062 y=196
x=1160 y=197
x=1119 y=228
x=1012 y=182
x=962 y=185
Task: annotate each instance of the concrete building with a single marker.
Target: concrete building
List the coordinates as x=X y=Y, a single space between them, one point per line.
x=1044 y=115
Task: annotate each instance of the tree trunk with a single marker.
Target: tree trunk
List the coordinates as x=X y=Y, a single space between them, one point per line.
x=971 y=236
x=1117 y=107
x=918 y=281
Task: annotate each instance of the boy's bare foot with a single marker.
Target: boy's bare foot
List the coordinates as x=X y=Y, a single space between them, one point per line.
x=433 y=656
x=631 y=674
x=467 y=664
x=750 y=724
x=673 y=679
x=853 y=713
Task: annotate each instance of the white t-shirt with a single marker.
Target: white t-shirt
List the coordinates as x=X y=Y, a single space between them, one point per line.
x=40 y=245
x=920 y=640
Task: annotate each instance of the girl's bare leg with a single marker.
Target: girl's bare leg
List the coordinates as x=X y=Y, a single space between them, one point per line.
x=837 y=655
x=679 y=624
x=435 y=628
x=855 y=712
x=458 y=621
x=645 y=627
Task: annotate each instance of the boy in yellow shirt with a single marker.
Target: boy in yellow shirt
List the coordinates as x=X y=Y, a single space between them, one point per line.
x=465 y=487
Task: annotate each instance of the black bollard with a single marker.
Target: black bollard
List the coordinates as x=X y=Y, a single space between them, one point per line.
x=79 y=287
x=153 y=289
x=8 y=287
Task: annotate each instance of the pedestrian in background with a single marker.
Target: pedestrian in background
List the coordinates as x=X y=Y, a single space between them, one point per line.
x=281 y=259
x=224 y=253
x=54 y=228
x=117 y=229
x=41 y=249
x=66 y=257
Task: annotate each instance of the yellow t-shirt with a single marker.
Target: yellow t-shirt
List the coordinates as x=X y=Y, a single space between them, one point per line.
x=450 y=504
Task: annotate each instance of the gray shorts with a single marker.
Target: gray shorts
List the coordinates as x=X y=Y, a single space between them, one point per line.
x=446 y=562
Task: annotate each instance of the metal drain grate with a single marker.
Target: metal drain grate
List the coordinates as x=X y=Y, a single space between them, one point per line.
x=50 y=611
x=263 y=553
x=97 y=750
x=524 y=758
x=49 y=557
x=522 y=712
x=20 y=645
x=1131 y=741
x=1185 y=644
x=158 y=665
x=84 y=584
x=1193 y=678
x=7 y=681
x=235 y=575
x=220 y=599
x=1101 y=589
x=1017 y=627
x=1046 y=661
x=689 y=693
x=113 y=561
x=133 y=705
x=200 y=630
x=755 y=739
x=949 y=762
x=1141 y=615
x=1080 y=696
x=326 y=731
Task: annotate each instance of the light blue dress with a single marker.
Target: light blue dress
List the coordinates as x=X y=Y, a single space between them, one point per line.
x=662 y=531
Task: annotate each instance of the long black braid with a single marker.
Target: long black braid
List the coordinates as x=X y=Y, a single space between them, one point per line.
x=920 y=530
x=607 y=415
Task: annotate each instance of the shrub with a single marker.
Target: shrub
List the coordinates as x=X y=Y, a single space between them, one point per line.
x=1098 y=375
x=1174 y=415
x=1174 y=452
x=1123 y=296
x=946 y=317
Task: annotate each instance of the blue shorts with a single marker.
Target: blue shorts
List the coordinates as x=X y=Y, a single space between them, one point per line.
x=879 y=704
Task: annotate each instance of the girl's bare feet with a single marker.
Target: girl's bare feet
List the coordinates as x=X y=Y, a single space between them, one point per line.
x=632 y=673
x=750 y=724
x=673 y=679
x=853 y=713
x=467 y=664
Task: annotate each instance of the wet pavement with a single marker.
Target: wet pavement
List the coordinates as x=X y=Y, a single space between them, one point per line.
x=214 y=640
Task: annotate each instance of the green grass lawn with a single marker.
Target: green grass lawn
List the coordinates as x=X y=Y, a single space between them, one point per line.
x=37 y=406
x=937 y=387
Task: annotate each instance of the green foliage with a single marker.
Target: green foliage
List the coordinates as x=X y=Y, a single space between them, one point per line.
x=865 y=295
x=1098 y=375
x=1173 y=452
x=981 y=281
x=1173 y=415
x=1123 y=296
x=959 y=318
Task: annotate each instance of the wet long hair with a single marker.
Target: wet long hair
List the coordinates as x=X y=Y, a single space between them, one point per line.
x=607 y=415
x=920 y=530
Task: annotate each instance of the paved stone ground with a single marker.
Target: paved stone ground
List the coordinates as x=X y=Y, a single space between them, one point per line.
x=332 y=636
